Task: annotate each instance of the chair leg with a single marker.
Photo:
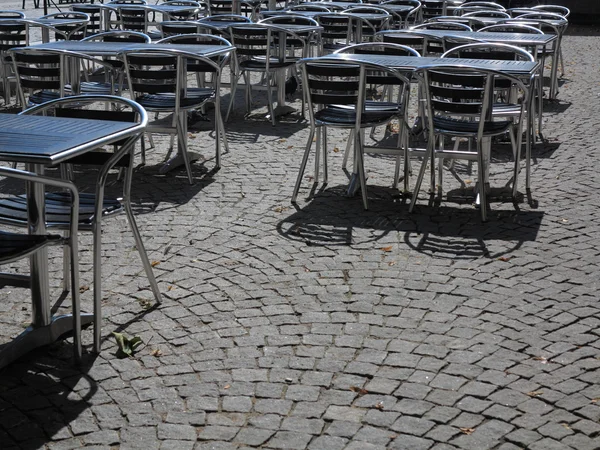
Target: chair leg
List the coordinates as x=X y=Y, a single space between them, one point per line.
x=311 y=135
x=270 y=97
x=74 y=257
x=234 y=78
x=324 y=146
x=318 y=155
x=181 y=128
x=360 y=160
x=348 y=149
x=426 y=158
x=481 y=169
x=138 y=238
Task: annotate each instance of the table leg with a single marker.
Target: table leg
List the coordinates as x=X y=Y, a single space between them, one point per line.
x=281 y=109
x=40 y=285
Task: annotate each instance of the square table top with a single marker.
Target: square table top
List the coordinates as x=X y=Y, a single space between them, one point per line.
x=51 y=140
x=96 y=48
x=517 y=68
x=503 y=37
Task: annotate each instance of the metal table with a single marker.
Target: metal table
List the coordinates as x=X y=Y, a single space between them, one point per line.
x=98 y=48
x=522 y=69
x=40 y=141
x=518 y=39
x=44 y=23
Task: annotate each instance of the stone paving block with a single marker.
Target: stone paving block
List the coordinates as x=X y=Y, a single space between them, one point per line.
x=275 y=316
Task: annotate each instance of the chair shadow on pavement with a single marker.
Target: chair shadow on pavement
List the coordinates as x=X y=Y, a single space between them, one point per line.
x=332 y=219
x=44 y=397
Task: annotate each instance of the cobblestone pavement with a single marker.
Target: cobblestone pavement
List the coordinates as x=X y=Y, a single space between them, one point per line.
x=328 y=327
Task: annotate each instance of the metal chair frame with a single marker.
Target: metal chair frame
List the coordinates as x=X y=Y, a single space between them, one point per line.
x=341 y=90
x=459 y=103
x=21 y=248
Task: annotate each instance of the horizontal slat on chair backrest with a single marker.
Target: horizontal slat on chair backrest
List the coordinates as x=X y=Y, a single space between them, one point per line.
x=330 y=83
x=456 y=93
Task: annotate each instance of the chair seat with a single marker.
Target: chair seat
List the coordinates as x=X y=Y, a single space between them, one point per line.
x=42 y=97
x=502 y=109
x=15 y=245
x=166 y=101
x=261 y=64
x=450 y=126
x=342 y=115
x=58 y=207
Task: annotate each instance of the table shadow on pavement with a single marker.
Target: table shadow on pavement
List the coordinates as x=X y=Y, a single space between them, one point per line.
x=42 y=395
x=332 y=219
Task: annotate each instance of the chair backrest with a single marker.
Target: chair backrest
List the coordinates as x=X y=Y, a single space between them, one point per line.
x=70 y=31
x=119 y=36
x=556 y=9
x=94 y=13
x=546 y=16
x=13 y=33
x=475 y=6
x=462 y=93
x=472 y=22
x=330 y=81
x=290 y=19
x=253 y=41
x=8 y=14
x=195 y=38
x=134 y=18
x=411 y=16
x=45 y=70
x=158 y=71
x=373 y=19
x=454 y=26
x=308 y=7
x=487 y=13
x=185 y=14
x=415 y=41
x=199 y=66
x=379 y=48
x=511 y=28
x=226 y=18
x=127 y=2
x=485 y=50
x=175 y=27
x=431 y=9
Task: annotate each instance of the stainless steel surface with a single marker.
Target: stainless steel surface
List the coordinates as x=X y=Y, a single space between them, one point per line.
x=33 y=337
x=96 y=48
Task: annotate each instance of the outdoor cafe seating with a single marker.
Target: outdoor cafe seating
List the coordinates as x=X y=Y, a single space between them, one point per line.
x=355 y=74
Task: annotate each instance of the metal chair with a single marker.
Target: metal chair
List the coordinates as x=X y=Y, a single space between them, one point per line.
x=93 y=207
x=401 y=98
x=470 y=7
x=185 y=14
x=8 y=14
x=404 y=18
x=51 y=74
x=73 y=31
x=378 y=20
x=15 y=246
x=471 y=22
x=486 y=13
x=136 y=18
x=13 y=33
x=336 y=92
x=257 y=51
x=556 y=9
x=94 y=12
x=443 y=25
x=212 y=93
x=157 y=80
x=459 y=103
x=431 y=9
